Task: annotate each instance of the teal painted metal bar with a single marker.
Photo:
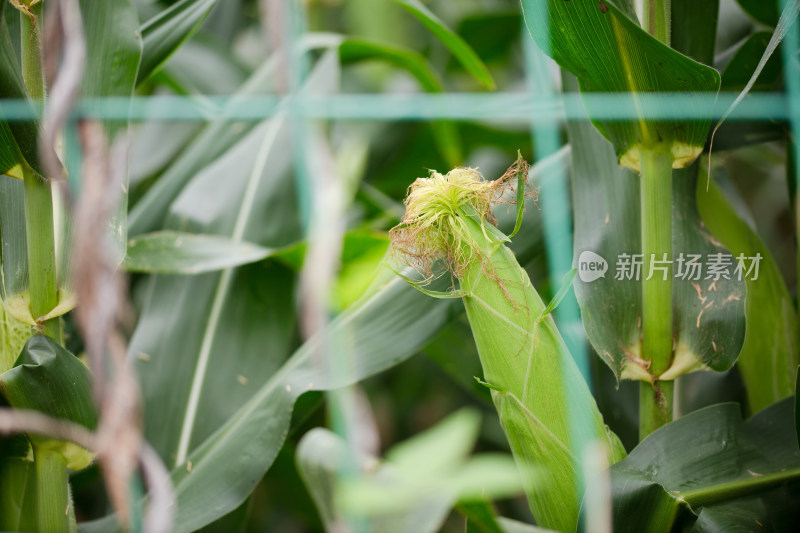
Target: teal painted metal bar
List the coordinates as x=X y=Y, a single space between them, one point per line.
x=508 y=107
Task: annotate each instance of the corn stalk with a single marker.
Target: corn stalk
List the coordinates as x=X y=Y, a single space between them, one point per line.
x=43 y=283
x=655 y=399
x=52 y=488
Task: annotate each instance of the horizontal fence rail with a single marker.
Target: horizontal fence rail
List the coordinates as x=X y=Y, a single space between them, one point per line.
x=509 y=107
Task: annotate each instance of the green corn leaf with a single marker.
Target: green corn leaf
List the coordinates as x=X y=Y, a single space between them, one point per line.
x=222 y=72
x=764 y=11
x=112 y=36
x=566 y=285
x=167 y=31
x=256 y=205
x=13 y=335
x=321 y=459
x=10 y=156
x=175 y=252
x=694 y=29
x=619 y=57
x=454 y=437
x=223 y=348
x=480 y=516
x=150 y=212
x=49 y=379
x=17 y=494
x=771 y=349
x=493 y=34
x=354 y=50
x=460 y=49
x=14 y=263
x=18 y=138
x=417 y=484
x=155 y=144
x=17 y=483
x=744 y=63
x=224 y=301
x=738 y=472
x=709 y=323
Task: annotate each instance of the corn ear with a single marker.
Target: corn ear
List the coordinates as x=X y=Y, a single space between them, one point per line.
x=534 y=380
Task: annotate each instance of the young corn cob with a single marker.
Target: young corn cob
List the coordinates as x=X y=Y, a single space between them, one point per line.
x=525 y=361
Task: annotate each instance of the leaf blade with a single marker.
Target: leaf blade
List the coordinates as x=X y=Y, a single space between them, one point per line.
x=175 y=252
x=455 y=43
x=618 y=59
x=18 y=138
x=167 y=31
x=49 y=379
x=727 y=454
x=445 y=131
x=769 y=309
